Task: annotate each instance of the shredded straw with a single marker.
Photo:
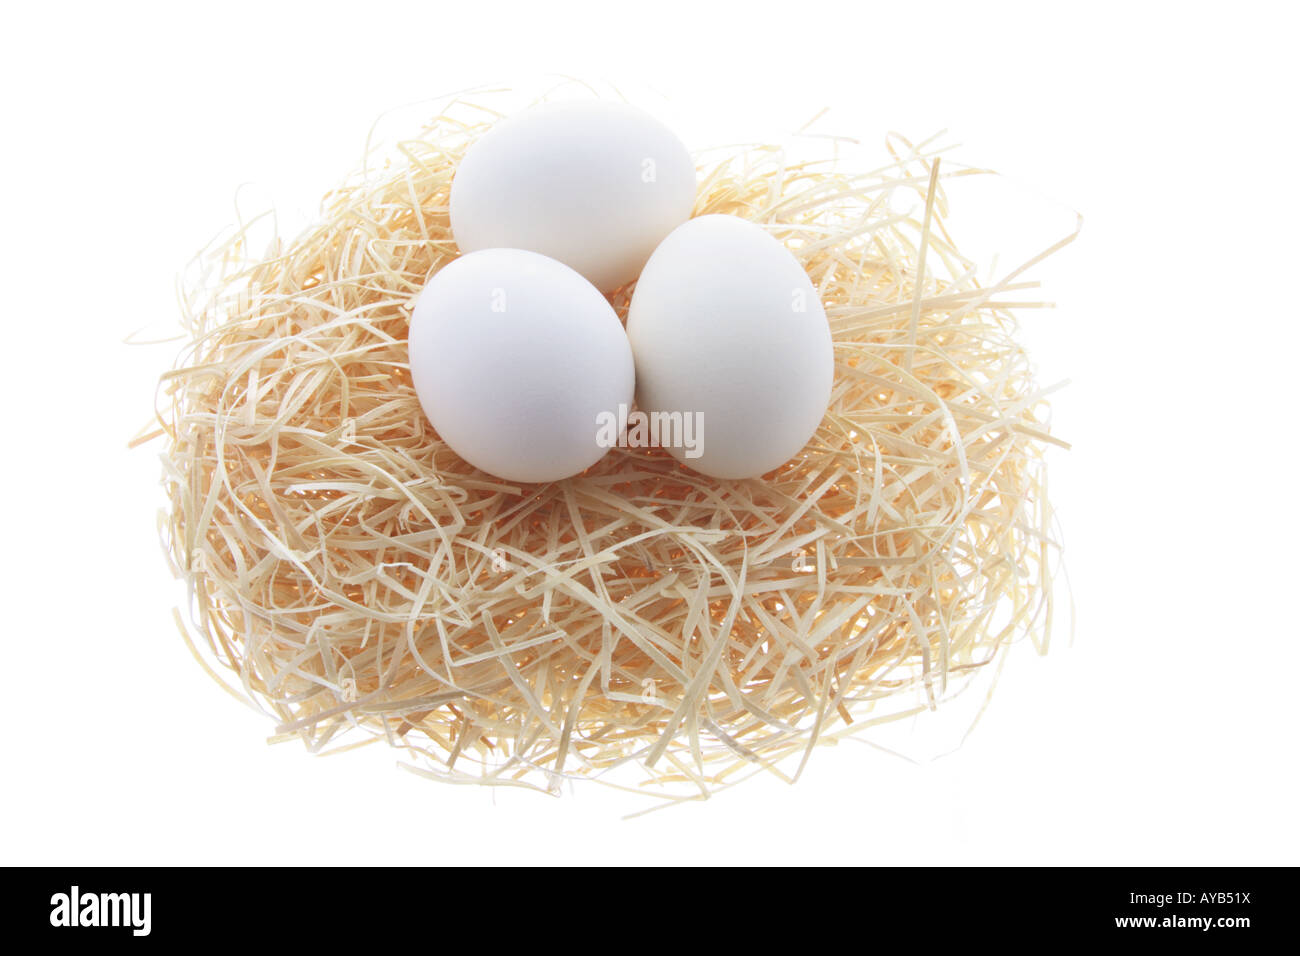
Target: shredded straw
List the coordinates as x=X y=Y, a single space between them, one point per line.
x=353 y=574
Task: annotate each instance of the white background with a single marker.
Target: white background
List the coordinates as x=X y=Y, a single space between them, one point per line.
x=1166 y=734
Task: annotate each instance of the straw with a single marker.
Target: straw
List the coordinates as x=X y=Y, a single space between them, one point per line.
x=640 y=623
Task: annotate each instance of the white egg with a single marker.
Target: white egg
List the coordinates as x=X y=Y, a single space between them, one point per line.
x=593 y=184
x=726 y=325
x=514 y=357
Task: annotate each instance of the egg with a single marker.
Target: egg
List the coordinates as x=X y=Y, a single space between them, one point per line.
x=594 y=184
x=725 y=325
x=514 y=358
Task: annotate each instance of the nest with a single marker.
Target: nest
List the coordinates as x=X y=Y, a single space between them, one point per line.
x=353 y=577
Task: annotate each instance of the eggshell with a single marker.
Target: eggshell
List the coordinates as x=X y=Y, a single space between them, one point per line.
x=596 y=185
x=513 y=356
x=724 y=322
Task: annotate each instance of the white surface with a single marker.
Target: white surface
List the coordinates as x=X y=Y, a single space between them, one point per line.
x=514 y=357
x=726 y=325
x=1165 y=735
x=594 y=183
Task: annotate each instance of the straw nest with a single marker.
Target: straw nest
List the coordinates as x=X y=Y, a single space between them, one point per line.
x=348 y=572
